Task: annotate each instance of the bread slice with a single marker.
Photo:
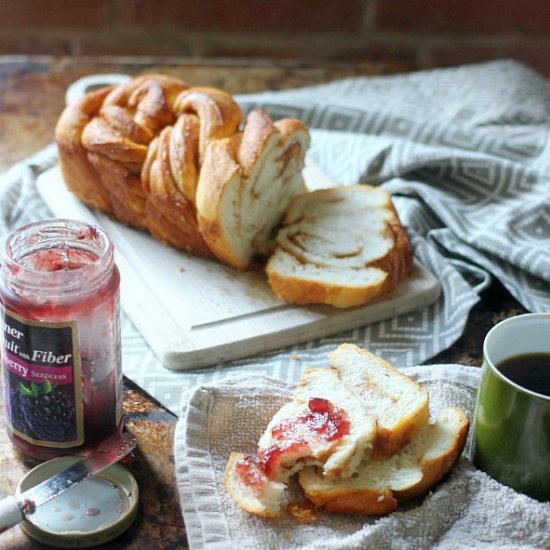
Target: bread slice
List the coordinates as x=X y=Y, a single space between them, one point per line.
x=245 y=185
x=325 y=424
x=340 y=246
x=399 y=404
x=248 y=486
x=380 y=484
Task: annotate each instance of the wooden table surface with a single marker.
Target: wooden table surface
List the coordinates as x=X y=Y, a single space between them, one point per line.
x=31 y=99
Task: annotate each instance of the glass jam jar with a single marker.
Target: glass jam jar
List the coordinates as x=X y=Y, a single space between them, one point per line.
x=60 y=345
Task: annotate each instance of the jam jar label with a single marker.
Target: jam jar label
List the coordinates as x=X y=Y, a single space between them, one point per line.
x=42 y=383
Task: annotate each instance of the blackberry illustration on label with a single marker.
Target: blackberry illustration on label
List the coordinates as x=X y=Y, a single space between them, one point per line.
x=47 y=411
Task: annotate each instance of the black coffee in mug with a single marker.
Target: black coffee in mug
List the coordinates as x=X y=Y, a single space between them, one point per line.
x=530 y=371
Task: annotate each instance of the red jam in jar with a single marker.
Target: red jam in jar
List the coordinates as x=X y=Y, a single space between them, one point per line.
x=60 y=344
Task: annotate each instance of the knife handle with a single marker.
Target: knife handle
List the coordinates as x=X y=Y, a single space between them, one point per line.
x=10 y=513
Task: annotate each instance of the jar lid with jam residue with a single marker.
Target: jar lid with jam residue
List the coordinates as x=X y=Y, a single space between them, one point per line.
x=93 y=512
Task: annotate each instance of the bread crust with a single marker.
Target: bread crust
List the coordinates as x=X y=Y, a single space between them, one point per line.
x=80 y=176
x=248 y=501
x=369 y=503
x=170 y=211
x=434 y=469
x=301 y=291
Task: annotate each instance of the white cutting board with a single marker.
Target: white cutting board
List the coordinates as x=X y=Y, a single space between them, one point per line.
x=195 y=312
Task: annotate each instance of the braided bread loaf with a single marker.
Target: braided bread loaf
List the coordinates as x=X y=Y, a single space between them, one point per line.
x=160 y=155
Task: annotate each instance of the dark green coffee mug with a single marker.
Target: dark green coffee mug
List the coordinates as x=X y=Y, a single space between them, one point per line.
x=511 y=423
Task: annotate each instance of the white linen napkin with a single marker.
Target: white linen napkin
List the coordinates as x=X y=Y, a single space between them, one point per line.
x=467 y=509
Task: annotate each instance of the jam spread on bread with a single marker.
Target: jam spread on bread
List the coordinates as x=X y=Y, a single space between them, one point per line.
x=322 y=421
x=322 y=418
x=359 y=436
x=251 y=471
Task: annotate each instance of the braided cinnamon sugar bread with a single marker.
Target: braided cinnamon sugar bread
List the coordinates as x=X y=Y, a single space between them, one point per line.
x=136 y=151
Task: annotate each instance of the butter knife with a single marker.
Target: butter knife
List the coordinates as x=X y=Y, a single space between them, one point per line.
x=13 y=509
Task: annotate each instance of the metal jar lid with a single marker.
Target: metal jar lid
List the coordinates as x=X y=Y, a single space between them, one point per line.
x=95 y=511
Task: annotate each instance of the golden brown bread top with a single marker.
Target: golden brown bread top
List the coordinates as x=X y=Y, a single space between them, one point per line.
x=150 y=99
x=218 y=114
x=135 y=151
x=258 y=131
x=121 y=122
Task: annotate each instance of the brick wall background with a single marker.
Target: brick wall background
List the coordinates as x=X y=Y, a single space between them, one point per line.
x=413 y=33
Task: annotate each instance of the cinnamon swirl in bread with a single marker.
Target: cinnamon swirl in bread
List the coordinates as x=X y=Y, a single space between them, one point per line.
x=245 y=185
x=340 y=246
